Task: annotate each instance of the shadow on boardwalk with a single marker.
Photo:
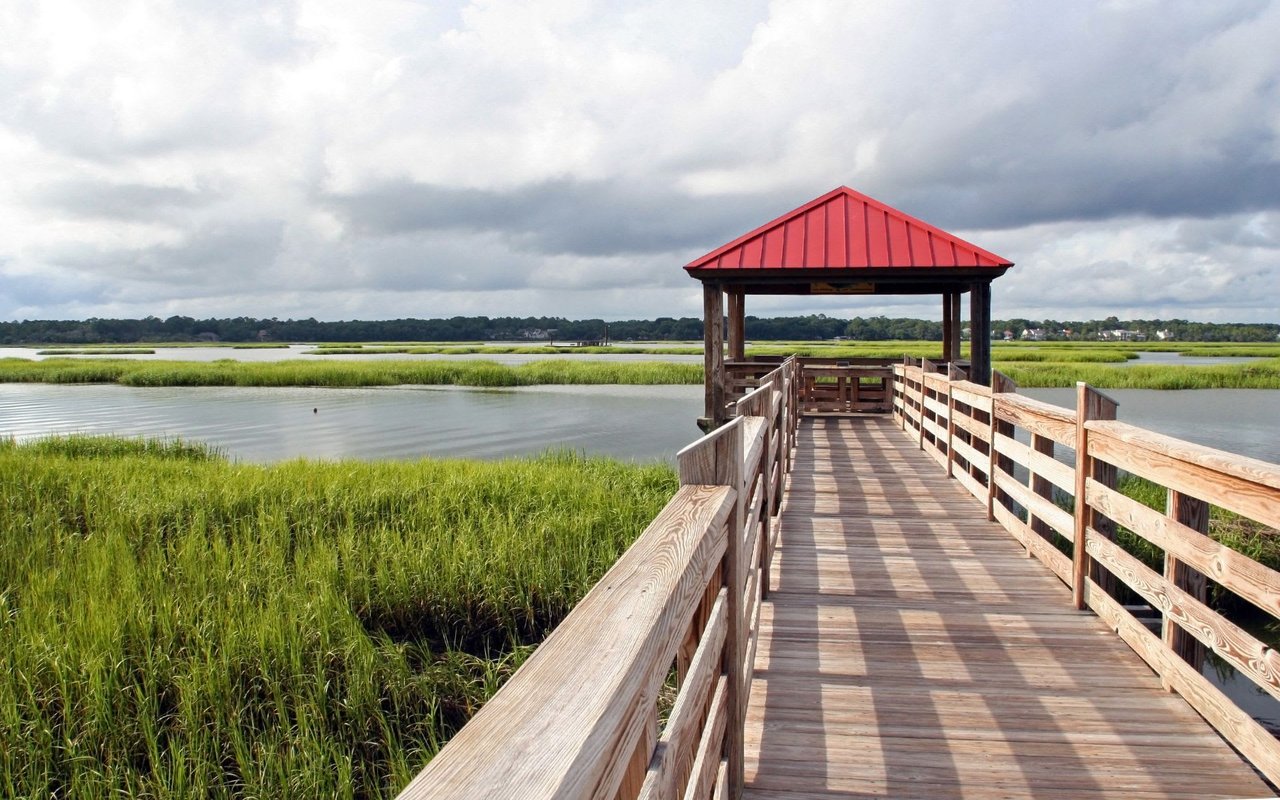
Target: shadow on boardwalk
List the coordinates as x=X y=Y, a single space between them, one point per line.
x=910 y=649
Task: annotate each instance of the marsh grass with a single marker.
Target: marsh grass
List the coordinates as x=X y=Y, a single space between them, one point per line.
x=299 y=372
x=178 y=625
x=481 y=349
x=97 y=351
x=1257 y=375
x=1032 y=365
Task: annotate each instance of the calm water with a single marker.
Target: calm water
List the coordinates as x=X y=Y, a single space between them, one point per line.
x=642 y=423
x=637 y=422
x=1157 y=358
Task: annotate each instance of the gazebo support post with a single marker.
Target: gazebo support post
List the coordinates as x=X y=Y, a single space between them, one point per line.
x=947 y=355
x=980 y=332
x=713 y=354
x=737 y=324
x=953 y=334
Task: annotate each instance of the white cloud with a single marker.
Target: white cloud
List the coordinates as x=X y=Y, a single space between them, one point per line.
x=318 y=158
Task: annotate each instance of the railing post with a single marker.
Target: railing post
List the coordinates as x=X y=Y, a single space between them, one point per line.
x=725 y=468
x=952 y=373
x=1090 y=405
x=1193 y=513
x=713 y=353
x=1000 y=384
x=1041 y=487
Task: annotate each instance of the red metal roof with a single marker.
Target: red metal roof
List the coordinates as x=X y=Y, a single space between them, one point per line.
x=844 y=229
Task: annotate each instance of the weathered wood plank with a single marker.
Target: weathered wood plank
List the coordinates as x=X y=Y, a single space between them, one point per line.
x=1059 y=520
x=584 y=747
x=966 y=451
x=1236 y=483
x=1237 y=727
x=1041 y=464
x=1037 y=416
x=973 y=395
x=908 y=649
x=1256 y=583
x=707 y=764
x=1243 y=651
x=970 y=483
x=673 y=760
x=972 y=426
x=1052 y=558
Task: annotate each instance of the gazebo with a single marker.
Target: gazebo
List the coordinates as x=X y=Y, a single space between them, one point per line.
x=844 y=243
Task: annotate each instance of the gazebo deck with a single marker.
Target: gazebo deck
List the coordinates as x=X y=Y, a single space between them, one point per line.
x=909 y=648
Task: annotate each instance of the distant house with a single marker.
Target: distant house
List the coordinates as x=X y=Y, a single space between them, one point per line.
x=1034 y=334
x=1164 y=336
x=1008 y=336
x=1121 y=335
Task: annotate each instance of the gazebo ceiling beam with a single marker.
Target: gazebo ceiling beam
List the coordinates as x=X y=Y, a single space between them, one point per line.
x=834 y=289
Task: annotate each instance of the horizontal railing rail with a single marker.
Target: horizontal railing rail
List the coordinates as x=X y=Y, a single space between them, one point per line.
x=1048 y=475
x=590 y=714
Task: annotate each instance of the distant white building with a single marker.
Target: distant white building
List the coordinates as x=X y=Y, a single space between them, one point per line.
x=1034 y=334
x=1121 y=335
x=1164 y=336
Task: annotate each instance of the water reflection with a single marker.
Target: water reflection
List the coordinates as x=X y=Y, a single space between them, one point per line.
x=267 y=424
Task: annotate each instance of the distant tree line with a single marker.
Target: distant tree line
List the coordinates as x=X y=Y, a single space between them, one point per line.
x=1179 y=330
x=542 y=329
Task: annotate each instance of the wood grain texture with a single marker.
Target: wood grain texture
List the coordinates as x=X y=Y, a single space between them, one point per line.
x=1036 y=416
x=1253 y=658
x=1249 y=470
x=973 y=395
x=1237 y=727
x=541 y=735
x=1036 y=546
x=1040 y=463
x=1237 y=572
x=1193 y=513
x=672 y=761
x=1236 y=483
x=1061 y=521
x=908 y=648
x=972 y=426
x=707 y=762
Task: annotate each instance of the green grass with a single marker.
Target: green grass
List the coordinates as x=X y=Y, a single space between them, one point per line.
x=298 y=372
x=97 y=351
x=1031 y=364
x=1258 y=375
x=177 y=625
x=483 y=349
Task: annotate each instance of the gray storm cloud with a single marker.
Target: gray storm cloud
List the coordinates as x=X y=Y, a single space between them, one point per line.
x=309 y=159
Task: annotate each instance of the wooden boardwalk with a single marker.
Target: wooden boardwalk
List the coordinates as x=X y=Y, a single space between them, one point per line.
x=909 y=648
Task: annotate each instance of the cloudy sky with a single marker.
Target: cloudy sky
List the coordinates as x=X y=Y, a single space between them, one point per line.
x=385 y=158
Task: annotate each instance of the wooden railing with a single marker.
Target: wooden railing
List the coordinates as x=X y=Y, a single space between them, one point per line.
x=826 y=384
x=1003 y=447
x=591 y=713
